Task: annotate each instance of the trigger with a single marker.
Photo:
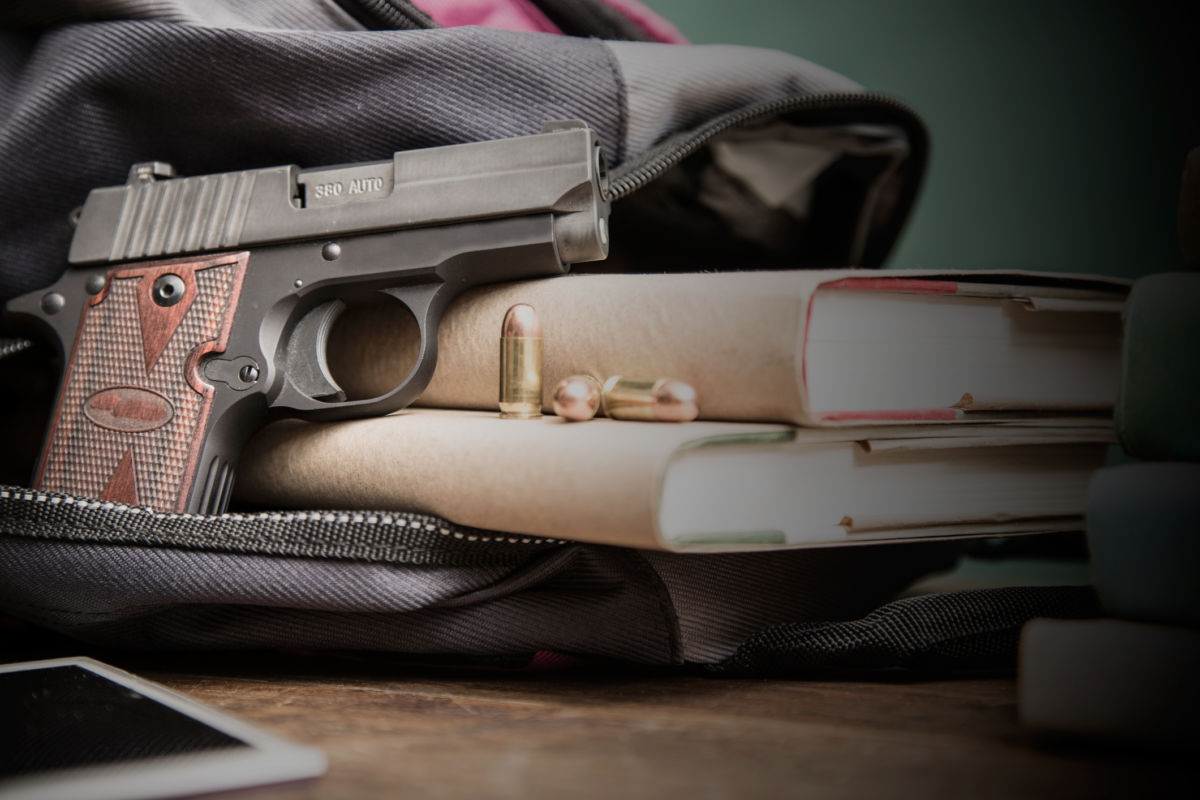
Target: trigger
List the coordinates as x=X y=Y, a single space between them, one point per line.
x=307 y=367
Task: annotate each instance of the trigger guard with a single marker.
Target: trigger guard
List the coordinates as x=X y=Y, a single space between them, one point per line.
x=424 y=302
x=307 y=365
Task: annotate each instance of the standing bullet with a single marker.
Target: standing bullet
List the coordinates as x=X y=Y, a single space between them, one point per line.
x=521 y=363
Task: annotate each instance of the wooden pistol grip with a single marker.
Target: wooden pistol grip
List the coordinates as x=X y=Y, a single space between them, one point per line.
x=132 y=410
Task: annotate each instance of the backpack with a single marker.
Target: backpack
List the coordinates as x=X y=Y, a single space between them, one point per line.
x=87 y=89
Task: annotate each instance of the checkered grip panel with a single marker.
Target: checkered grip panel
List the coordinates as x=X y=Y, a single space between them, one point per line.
x=132 y=410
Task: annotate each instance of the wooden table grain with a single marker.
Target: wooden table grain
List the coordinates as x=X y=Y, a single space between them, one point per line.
x=391 y=729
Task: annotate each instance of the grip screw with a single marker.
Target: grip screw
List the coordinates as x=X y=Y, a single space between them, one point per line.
x=53 y=303
x=168 y=290
x=248 y=373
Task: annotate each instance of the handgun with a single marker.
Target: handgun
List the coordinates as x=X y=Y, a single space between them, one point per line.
x=195 y=306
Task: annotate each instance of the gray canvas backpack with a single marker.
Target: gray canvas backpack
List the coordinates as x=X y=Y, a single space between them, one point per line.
x=89 y=88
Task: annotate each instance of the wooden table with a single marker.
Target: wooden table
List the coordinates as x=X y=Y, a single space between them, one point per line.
x=394 y=730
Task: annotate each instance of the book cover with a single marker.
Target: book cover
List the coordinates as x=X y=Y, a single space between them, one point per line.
x=705 y=486
x=838 y=347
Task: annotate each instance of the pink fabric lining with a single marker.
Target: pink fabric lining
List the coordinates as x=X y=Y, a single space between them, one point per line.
x=647 y=20
x=524 y=15
x=512 y=15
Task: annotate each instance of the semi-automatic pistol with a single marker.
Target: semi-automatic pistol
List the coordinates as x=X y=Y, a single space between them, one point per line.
x=193 y=306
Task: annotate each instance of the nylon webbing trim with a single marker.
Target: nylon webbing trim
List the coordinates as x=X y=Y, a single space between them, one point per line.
x=954 y=631
x=375 y=536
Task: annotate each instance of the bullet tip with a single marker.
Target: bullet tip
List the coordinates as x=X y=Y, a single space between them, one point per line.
x=521 y=322
x=676 y=401
x=577 y=398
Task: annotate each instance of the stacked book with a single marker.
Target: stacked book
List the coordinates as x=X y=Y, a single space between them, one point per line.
x=836 y=407
x=1130 y=677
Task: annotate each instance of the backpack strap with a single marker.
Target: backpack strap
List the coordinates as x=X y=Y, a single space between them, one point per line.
x=373 y=536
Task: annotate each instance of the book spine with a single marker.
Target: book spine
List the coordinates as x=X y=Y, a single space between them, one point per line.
x=1125 y=682
x=1143 y=528
x=1156 y=414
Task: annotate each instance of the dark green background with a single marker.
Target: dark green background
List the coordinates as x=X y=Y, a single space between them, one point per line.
x=1058 y=136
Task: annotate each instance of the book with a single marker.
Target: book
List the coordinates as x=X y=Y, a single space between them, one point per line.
x=1156 y=410
x=1111 y=680
x=816 y=347
x=1143 y=530
x=703 y=486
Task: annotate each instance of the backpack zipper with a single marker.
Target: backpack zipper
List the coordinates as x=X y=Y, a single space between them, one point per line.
x=646 y=167
x=387 y=14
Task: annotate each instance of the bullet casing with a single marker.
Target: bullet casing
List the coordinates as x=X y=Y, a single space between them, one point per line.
x=661 y=400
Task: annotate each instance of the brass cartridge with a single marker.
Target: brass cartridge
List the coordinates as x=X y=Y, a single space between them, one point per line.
x=662 y=400
x=577 y=398
x=521 y=363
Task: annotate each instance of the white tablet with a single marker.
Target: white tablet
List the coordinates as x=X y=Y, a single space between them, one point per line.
x=73 y=727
